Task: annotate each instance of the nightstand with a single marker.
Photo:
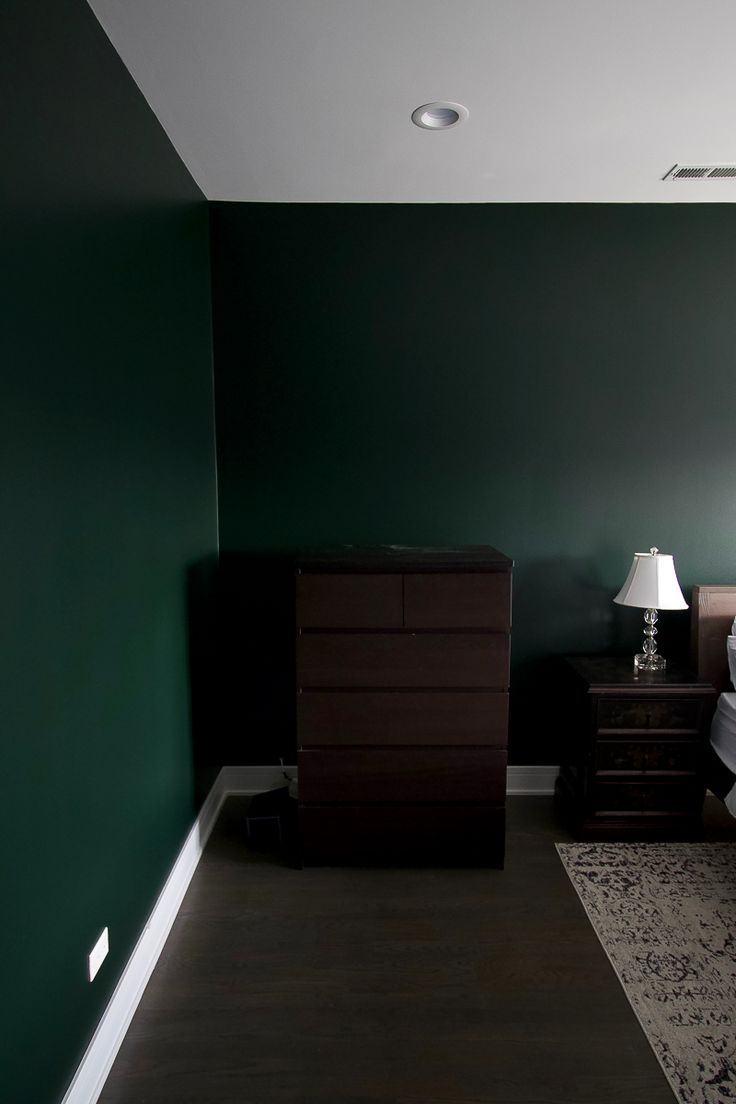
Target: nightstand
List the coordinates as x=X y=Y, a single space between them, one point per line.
x=632 y=768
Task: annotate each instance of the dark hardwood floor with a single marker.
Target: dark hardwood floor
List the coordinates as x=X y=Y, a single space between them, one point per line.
x=367 y=986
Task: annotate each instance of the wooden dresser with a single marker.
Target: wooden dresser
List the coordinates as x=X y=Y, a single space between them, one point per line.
x=402 y=704
x=633 y=768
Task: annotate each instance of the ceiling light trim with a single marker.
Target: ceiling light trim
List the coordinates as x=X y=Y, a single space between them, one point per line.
x=439 y=115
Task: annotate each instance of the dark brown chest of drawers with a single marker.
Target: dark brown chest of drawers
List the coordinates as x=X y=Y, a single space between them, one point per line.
x=633 y=765
x=402 y=704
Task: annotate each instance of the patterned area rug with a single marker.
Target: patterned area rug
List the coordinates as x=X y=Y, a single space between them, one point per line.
x=665 y=914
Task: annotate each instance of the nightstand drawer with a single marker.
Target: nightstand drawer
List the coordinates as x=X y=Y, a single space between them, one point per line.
x=402 y=775
x=349 y=601
x=675 y=798
x=642 y=714
x=648 y=756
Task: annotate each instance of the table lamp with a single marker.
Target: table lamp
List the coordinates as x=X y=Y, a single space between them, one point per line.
x=651 y=585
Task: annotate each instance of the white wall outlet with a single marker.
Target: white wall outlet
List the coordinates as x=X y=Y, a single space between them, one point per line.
x=98 y=954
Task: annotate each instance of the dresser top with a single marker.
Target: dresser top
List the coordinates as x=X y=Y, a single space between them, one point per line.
x=616 y=673
x=401 y=557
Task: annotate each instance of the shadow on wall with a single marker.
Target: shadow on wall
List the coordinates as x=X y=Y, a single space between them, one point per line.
x=561 y=607
x=562 y=600
x=203 y=648
x=242 y=654
x=255 y=705
x=256 y=717
x=242 y=661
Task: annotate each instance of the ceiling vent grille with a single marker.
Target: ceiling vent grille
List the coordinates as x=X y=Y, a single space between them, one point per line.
x=701 y=172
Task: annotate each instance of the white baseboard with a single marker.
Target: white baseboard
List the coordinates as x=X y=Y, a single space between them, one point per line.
x=92 y=1072
x=520 y=781
x=253 y=780
x=531 y=781
x=91 y=1075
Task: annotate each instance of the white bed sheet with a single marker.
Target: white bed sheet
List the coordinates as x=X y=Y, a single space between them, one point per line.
x=723 y=740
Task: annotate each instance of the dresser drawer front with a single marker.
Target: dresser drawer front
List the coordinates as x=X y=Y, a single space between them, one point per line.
x=648 y=756
x=396 y=775
x=397 y=834
x=403 y=660
x=349 y=601
x=674 y=798
x=464 y=601
x=642 y=714
x=346 y=717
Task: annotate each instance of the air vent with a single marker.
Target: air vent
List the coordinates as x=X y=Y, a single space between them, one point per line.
x=701 y=172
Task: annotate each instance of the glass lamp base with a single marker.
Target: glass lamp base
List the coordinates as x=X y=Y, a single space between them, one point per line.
x=644 y=662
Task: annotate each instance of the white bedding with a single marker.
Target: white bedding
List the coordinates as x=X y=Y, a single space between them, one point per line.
x=723 y=740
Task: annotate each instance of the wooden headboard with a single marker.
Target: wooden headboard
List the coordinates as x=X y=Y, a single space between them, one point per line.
x=713 y=611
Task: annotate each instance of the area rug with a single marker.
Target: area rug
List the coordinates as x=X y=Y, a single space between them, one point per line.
x=665 y=914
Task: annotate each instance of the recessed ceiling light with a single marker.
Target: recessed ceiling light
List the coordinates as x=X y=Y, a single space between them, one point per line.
x=439 y=116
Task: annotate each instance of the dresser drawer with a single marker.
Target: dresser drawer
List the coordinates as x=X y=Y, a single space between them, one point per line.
x=410 y=660
x=642 y=714
x=344 y=717
x=683 y=798
x=402 y=775
x=396 y=834
x=464 y=601
x=349 y=601
x=651 y=756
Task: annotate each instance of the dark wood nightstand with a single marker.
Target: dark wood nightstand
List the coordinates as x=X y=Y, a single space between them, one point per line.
x=632 y=766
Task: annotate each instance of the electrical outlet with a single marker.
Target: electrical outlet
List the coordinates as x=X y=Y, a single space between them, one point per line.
x=98 y=954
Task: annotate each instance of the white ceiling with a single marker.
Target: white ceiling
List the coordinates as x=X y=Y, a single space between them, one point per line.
x=310 y=100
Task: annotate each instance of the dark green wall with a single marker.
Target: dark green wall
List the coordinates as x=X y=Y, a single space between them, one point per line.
x=108 y=513
x=553 y=380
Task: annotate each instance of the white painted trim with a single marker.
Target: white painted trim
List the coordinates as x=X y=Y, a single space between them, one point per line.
x=253 y=780
x=531 y=781
x=91 y=1075
x=520 y=781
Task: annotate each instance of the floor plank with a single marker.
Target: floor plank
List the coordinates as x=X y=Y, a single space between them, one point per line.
x=363 y=986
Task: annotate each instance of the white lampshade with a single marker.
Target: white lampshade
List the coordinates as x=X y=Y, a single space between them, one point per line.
x=652 y=583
